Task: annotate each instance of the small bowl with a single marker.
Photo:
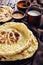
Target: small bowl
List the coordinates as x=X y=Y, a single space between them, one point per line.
x=21 y=5
x=34 y=19
x=18 y=16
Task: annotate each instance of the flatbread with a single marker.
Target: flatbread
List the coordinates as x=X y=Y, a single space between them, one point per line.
x=5 y=13
x=8 y=8
x=14 y=44
x=27 y=53
x=25 y=46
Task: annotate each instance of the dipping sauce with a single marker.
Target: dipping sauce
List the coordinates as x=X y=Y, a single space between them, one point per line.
x=34 y=16
x=23 y=4
x=17 y=15
x=34 y=13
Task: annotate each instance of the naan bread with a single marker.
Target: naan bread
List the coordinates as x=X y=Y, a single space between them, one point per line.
x=27 y=53
x=8 y=8
x=15 y=44
x=5 y=13
x=25 y=46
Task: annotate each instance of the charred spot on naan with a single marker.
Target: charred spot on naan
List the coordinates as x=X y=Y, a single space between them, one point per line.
x=14 y=36
x=9 y=36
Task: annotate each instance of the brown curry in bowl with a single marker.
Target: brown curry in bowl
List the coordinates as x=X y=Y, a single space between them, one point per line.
x=23 y=5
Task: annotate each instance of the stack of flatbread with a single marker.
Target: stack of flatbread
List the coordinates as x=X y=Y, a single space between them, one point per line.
x=17 y=42
x=5 y=13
